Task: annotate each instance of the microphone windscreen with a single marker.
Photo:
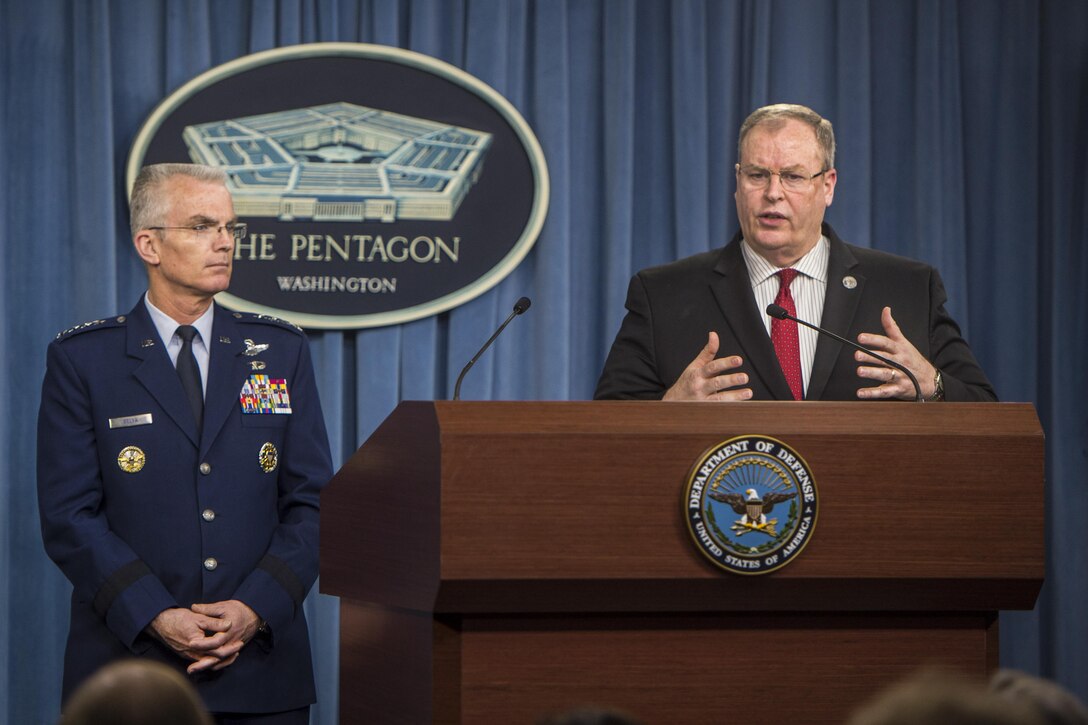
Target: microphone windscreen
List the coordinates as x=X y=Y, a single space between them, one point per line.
x=522 y=305
x=776 y=311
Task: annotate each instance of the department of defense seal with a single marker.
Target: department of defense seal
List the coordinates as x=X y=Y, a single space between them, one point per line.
x=750 y=504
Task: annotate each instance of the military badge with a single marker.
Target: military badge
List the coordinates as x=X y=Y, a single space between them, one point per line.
x=79 y=328
x=262 y=395
x=253 y=348
x=750 y=504
x=268 y=457
x=131 y=459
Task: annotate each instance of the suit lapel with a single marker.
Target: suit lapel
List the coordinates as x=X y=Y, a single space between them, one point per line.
x=840 y=306
x=155 y=372
x=733 y=291
x=226 y=374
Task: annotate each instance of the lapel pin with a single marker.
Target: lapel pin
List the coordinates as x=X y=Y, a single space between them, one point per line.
x=849 y=282
x=147 y=343
x=225 y=340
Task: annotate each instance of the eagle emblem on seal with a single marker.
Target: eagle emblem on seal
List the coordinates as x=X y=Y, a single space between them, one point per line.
x=753 y=509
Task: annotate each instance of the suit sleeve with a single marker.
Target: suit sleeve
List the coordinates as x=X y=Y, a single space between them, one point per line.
x=277 y=587
x=103 y=569
x=964 y=380
x=630 y=371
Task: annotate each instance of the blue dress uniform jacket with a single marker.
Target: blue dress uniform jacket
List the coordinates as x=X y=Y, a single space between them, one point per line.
x=201 y=520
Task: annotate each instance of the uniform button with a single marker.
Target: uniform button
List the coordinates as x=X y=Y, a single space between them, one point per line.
x=205 y=468
x=208 y=515
x=210 y=563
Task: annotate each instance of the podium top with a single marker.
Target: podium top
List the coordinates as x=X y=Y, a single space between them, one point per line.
x=576 y=506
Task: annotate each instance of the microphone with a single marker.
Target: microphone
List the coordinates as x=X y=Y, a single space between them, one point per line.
x=519 y=307
x=780 y=313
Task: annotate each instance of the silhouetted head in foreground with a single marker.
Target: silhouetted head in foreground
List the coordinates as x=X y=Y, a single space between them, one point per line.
x=942 y=698
x=135 y=692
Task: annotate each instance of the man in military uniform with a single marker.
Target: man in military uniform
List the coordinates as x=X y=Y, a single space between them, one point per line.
x=181 y=453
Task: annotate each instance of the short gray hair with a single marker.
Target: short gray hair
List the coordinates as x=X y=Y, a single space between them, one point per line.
x=147 y=206
x=776 y=115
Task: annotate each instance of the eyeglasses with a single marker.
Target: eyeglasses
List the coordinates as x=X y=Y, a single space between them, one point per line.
x=757 y=177
x=207 y=231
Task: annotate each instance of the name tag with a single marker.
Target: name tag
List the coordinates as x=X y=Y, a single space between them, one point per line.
x=128 y=421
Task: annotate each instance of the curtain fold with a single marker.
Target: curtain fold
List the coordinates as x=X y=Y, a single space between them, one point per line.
x=961 y=142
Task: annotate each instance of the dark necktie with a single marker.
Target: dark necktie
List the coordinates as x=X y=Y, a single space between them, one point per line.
x=189 y=373
x=784 y=335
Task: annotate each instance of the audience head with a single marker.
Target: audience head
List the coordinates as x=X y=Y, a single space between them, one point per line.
x=1054 y=703
x=135 y=692
x=942 y=698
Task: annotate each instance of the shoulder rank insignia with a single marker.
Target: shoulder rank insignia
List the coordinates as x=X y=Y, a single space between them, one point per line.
x=79 y=328
x=258 y=317
x=262 y=396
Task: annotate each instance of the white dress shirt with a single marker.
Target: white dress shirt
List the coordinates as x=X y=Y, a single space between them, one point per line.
x=808 y=290
x=168 y=333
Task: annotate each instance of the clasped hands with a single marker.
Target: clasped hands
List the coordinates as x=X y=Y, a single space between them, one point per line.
x=711 y=378
x=212 y=635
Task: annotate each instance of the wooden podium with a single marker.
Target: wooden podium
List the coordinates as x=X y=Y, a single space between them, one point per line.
x=500 y=560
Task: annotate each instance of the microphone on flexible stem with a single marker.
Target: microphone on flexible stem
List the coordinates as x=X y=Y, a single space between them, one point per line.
x=779 y=313
x=519 y=307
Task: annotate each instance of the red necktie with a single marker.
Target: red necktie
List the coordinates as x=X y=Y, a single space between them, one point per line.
x=784 y=335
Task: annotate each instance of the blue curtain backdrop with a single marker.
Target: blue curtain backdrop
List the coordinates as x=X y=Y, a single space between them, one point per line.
x=961 y=129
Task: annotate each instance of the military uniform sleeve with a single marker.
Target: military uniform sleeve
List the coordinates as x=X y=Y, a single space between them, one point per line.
x=630 y=372
x=279 y=584
x=103 y=569
x=964 y=379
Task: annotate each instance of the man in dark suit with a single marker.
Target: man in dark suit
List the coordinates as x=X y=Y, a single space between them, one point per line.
x=181 y=453
x=696 y=329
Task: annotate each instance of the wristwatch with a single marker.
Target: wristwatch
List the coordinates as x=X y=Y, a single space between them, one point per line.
x=938 y=388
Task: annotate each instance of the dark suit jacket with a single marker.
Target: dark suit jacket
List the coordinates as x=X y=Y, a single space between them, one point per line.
x=670 y=310
x=136 y=543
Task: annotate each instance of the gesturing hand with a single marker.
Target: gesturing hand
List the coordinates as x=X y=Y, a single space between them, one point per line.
x=894 y=345
x=708 y=378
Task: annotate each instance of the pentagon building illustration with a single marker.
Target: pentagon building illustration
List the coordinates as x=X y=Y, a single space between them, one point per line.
x=342 y=162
